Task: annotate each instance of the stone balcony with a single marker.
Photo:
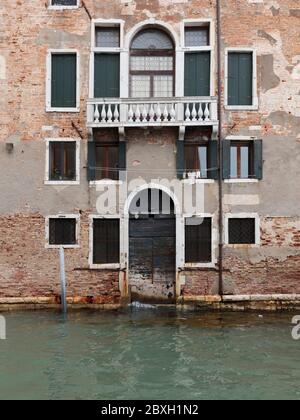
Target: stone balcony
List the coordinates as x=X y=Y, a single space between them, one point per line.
x=194 y=111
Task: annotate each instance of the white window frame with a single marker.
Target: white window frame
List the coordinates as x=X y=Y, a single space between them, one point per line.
x=188 y=23
x=116 y=266
x=63 y=7
x=47 y=166
x=255 y=216
x=62 y=216
x=214 y=241
x=241 y=180
x=51 y=52
x=106 y=23
x=254 y=106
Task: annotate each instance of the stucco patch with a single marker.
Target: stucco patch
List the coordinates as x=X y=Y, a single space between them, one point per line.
x=2 y=68
x=269 y=80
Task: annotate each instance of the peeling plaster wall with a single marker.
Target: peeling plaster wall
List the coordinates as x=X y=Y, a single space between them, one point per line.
x=28 y=30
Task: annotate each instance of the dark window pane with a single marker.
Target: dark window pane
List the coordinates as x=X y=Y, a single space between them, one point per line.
x=108 y=37
x=241 y=160
x=64 y=2
x=196 y=37
x=196 y=160
x=63 y=81
x=106 y=241
x=62 y=161
x=62 y=231
x=198 y=240
x=241 y=231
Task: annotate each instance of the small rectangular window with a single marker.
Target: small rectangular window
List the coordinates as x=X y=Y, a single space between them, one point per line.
x=197 y=36
x=62 y=231
x=66 y=3
x=198 y=240
x=62 y=161
x=240 y=78
x=106 y=243
x=107 y=37
x=241 y=160
x=241 y=231
x=63 y=80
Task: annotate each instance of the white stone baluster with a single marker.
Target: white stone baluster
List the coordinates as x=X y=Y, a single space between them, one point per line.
x=109 y=114
x=173 y=113
x=145 y=113
x=187 y=113
x=158 y=111
x=116 y=113
x=151 y=113
x=200 y=112
x=194 y=113
x=103 y=114
x=130 y=114
x=166 y=114
x=137 y=114
x=207 y=112
x=96 y=115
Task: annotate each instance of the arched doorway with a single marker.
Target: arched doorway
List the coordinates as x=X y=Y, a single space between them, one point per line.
x=152 y=247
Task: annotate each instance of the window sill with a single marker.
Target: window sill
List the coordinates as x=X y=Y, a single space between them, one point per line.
x=241 y=181
x=198 y=181
x=105 y=266
x=242 y=246
x=106 y=182
x=70 y=110
x=62 y=183
x=238 y=108
x=200 y=265
x=64 y=246
x=58 y=8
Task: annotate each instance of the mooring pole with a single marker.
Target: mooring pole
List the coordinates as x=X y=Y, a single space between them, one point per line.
x=63 y=280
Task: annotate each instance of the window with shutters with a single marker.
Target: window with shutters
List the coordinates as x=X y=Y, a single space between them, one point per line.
x=106 y=44
x=62 y=230
x=197 y=66
x=152 y=65
x=196 y=160
x=62 y=81
x=106 y=241
x=241 y=79
x=242 y=160
x=198 y=240
x=63 y=4
x=106 y=158
x=62 y=161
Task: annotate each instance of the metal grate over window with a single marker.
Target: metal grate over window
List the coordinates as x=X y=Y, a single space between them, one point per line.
x=62 y=231
x=108 y=37
x=241 y=231
x=198 y=240
x=63 y=2
x=106 y=242
x=197 y=36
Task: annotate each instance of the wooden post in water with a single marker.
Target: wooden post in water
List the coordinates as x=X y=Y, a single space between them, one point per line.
x=63 y=280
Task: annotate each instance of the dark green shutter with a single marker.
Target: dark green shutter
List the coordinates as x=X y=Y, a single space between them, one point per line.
x=258 y=159
x=226 y=158
x=63 y=81
x=213 y=159
x=91 y=167
x=107 y=76
x=180 y=159
x=240 y=79
x=122 y=160
x=197 y=74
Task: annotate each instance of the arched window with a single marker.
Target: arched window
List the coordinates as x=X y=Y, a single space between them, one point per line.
x=152 y=65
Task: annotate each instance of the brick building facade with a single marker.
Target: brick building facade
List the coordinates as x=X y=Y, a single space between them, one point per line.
x=122 y=99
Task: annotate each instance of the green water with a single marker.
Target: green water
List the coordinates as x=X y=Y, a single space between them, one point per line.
x=149 y=354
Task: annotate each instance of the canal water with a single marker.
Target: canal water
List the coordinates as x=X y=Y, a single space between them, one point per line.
x=149 y=354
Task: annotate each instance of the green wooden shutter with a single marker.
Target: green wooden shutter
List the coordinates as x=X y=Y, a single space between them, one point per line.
x=213 y=159
x=180 y=159
x=122 y=160
x=107 y=76
x=197 y=74
x=258 y=159
x=226 y=158
x=63 y=81
x=240 y=79
x=91 y=167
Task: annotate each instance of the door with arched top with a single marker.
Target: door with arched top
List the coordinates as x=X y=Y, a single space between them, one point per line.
x=152 y=247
